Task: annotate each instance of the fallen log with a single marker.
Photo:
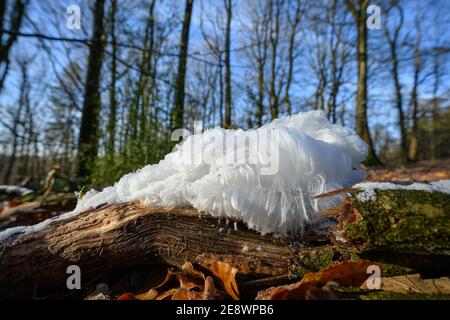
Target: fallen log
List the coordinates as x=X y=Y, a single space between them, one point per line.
x=114 y=237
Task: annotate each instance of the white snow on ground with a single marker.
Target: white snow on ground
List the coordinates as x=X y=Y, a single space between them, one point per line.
x=15 y=189
x=369 y=194
x=37 y=227
x=268 y=184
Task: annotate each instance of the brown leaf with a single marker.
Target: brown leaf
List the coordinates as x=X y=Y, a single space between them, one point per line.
x=167 y=294
x=195 y=295
x=126 y=296
x=347 y=274
x=226 y=273
x=181 y=294
x=190 y=278
x=149 y=295
x=209 y=292
x=170 y=277
x=152 y=293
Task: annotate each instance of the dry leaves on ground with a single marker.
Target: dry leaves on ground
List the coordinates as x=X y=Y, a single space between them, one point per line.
x=319 y=285
x=422 y=171
x=191 y=284
x=226 y=273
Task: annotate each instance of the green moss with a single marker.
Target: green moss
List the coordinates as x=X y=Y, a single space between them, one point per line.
x=404 y=219
x=392 y=270
x=318 y=259
x=358 y=232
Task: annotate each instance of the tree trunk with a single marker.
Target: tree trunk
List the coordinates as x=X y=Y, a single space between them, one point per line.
x=228 y=111
x=399 y=106
x=112 y=90
x=393 y=45
x=16 y=18
x=178 y=107
x=294 y=23
x=18 y=122
x=414 y=140
x=89 y=131
x=274 y=38
x=362 y=126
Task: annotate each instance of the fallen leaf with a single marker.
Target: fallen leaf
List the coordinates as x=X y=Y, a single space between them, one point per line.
x=346 y=274
x=167 y=294
x=226 y=273
x=126 y=296
x=149 y=295
x=152 y=293
x=181 y=294
x=209 y=291
x=189 y=278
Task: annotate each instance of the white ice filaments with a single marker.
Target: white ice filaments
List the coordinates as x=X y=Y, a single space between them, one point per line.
x=268 y=185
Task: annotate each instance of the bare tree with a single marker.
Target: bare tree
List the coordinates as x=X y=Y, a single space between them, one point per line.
x=294 y=21
x=218 y=42
x=359 y=10
x=414 y=100
x=319 y=63
x=228 y=111
x=393 y=39
x=17 y=129
x=89 y=131
x=112 y=87
x=259 y=33
x=339 y=53
x=275 y=7
x=177 y=118
x=9 y=36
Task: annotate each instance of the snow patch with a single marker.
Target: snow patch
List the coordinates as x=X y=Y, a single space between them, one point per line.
x=368 y=188
x=367 y=195
x=37 y=227
x=15 y=189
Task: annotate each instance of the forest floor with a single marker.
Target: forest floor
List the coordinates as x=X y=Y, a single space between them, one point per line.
x=220 y=280
x=423 y=171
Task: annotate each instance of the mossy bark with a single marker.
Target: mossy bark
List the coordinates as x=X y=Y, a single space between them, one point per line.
x=403 y=221
x=402 y=231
